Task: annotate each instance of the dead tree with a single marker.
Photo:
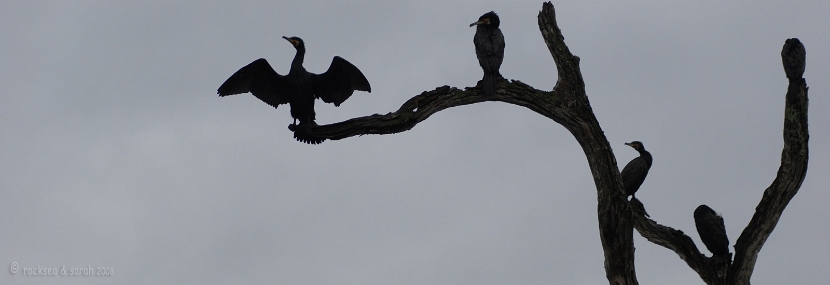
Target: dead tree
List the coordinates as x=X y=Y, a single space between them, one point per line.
x=567 y=104
x=791 y=173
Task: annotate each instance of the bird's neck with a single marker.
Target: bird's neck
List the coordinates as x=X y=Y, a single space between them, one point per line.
x=646 y=155
x=297 y=63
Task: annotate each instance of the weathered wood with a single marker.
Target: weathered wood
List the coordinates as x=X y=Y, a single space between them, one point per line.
x=711 y=270
x=422 y=106
x=790 y=175
x=568 y=105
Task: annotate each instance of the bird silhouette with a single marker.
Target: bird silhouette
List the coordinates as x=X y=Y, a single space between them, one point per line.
x=634 y=173
x=489 y=42
x=299 y=88
x=712 y=231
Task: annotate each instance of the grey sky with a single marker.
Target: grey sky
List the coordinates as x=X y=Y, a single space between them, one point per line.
x=115 y=150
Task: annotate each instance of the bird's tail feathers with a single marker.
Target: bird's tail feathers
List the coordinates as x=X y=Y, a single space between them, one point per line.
x=302 y=133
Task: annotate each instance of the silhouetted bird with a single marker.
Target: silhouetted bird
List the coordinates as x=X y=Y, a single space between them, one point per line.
x=712 y=231
x=299 y=87
x=794 y=58
x=489 y=43
x=634 y=173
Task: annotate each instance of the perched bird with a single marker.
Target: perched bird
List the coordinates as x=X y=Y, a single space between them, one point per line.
x=299 y=87
x=793 y=56
x=712 y=231
x=489 y=42
x=634 y=173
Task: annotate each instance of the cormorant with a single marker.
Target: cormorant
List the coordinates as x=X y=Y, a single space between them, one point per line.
x=299 y=87
x=634 y=173
x=793 y=56
x=489 y=42
x=712 y=231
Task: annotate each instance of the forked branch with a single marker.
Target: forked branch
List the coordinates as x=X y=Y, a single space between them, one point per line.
x=790 y=175
x=567 y=104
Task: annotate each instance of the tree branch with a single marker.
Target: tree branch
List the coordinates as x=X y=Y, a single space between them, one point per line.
x=791 y=173
x=567 y=105
x=614 y=214
x=421 y=107
x=712 y=270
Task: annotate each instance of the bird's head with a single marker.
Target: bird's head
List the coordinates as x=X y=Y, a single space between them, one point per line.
x=488 y=20
x=703 y=210
x=295 y=41
x=636 y=145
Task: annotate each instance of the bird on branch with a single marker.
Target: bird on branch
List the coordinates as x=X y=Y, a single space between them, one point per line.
x=794 y=58
x=299 y=88
x=489 y=42
x=712 y=231
x=634 y=173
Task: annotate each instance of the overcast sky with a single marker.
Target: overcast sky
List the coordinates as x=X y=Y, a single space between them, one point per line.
x=116 y=152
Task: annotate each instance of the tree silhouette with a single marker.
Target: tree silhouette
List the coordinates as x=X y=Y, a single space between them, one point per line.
x=568 y=105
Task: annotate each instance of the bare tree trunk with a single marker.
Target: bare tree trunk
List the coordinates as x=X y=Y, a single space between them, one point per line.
x=568 y=105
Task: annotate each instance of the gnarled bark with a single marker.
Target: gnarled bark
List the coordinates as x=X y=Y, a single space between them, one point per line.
x=790 y=175
x=568 y=105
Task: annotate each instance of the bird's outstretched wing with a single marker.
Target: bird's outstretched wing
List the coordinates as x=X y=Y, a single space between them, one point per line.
x=339 y=82
x=260 y=79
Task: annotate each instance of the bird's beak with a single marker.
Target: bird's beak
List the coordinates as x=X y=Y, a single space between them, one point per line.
x=293 y=43
x=629 y=144
x=485 y=21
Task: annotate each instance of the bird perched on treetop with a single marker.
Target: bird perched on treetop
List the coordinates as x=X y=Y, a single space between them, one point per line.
x=634 y=173
x=299 y=87
x=489 y=42
x=712 y=231
x=793 y=56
